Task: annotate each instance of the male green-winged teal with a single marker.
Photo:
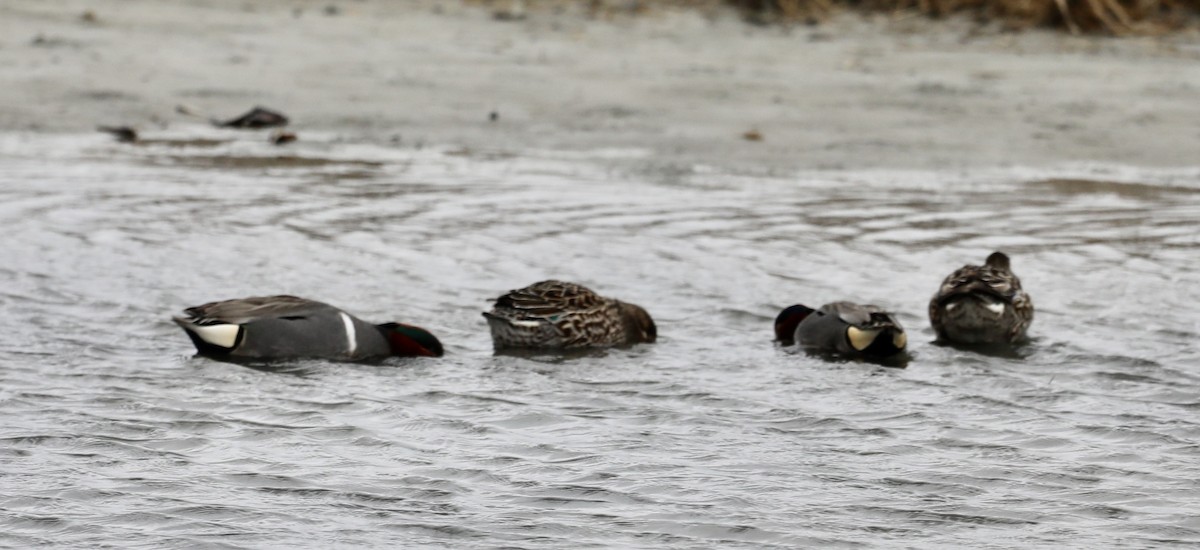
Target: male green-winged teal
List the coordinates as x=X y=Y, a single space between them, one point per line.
x=982 y=305
x=283 y=327
x=846 y=328
x=560 y=315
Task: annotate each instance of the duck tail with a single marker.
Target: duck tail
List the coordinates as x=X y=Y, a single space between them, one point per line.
x=215 y=339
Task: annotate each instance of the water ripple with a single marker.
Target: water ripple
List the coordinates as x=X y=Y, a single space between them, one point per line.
x=709 y=438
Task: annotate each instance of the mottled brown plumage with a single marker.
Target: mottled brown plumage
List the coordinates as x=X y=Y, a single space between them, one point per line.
x=560 y=315
x=982 y=305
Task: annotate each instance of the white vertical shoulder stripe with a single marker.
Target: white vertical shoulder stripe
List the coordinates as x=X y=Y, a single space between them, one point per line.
x=351 y=337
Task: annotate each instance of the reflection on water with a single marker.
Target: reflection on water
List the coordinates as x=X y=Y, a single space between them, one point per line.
x=898 y=361
x=711 y=437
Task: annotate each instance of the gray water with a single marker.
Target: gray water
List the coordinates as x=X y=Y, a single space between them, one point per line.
x=114 y=434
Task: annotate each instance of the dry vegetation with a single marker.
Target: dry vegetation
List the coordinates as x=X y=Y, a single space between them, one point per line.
x=1112 y=16
x=1116 y=17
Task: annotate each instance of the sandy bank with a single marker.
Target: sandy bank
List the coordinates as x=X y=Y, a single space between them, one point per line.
x=849 y=94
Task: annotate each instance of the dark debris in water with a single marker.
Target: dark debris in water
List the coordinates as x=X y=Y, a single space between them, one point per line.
x=281 y=138
x=256 y=118
x=124 y=134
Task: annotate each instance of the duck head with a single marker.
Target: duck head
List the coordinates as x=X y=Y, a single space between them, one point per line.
x=639 y=327
x=787 y=321
x=998 y=260
x=411 y=341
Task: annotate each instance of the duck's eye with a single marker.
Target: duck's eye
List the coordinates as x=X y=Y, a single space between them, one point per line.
x=861 y=339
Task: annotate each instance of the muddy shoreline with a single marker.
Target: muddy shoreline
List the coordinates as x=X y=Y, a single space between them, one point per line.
x=685 y=88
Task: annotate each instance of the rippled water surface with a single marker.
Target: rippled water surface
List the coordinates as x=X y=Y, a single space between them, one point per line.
x=114 y=434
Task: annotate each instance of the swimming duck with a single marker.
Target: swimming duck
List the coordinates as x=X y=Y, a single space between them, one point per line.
x=560 y=315
x=982 y=305
x=847 y=328
x=284 y=327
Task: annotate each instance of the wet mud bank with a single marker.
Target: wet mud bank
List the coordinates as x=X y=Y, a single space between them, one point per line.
x=852 y=93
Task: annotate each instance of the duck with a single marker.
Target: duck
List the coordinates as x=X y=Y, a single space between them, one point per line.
x=288 y=327
x=982 y=304
x=844 y=328
x=558 y=315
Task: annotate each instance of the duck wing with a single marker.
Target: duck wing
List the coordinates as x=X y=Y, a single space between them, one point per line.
x=548 y=299
x=244 y=310
x=849 y=312
x=985 y=279
x=860 y=315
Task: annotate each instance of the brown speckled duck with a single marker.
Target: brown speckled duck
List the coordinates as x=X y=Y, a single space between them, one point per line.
x=562 y=316
x=982 y=305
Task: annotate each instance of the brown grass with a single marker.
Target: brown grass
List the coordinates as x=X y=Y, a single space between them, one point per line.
x=1115 y=17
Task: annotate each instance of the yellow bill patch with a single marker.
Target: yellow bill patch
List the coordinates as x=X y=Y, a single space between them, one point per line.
x=861 y=339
